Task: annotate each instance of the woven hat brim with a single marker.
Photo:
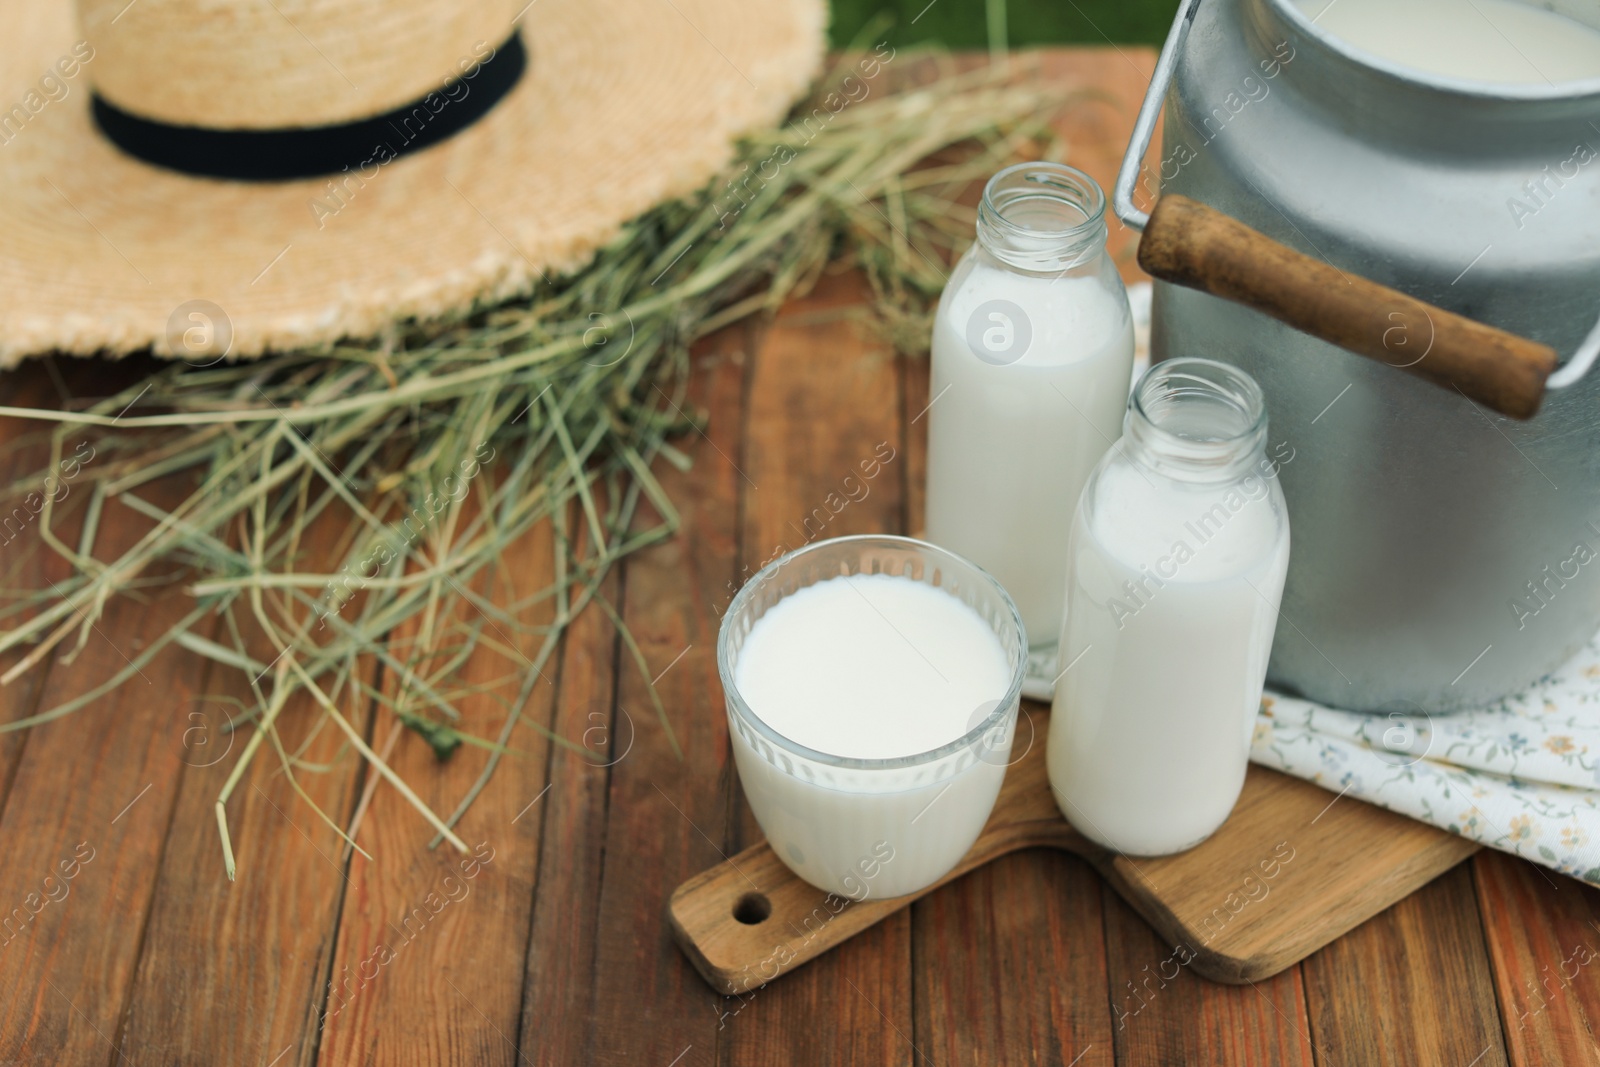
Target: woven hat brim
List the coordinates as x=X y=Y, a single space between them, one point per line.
x=625 y=104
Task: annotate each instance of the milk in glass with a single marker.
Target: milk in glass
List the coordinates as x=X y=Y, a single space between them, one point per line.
x=1032 y=356
x=873 y=686
x=1178 y=554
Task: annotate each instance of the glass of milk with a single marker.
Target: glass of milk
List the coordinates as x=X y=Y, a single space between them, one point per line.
x=1176 y=565
x=1032 y=357
x=872 y=688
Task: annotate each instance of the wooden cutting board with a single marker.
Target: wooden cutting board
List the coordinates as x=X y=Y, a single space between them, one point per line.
x=1293 y=868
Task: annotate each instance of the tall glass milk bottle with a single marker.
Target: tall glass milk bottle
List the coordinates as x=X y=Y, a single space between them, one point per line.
x=1032 y=355
x=1177 y=560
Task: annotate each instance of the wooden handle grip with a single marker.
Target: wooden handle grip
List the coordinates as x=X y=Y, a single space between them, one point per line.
x=1193 y=245
x=751 y=919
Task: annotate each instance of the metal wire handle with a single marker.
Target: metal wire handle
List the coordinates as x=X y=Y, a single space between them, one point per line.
x=1144 y=127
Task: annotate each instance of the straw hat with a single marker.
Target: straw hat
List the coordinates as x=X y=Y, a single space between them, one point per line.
x=460 y=149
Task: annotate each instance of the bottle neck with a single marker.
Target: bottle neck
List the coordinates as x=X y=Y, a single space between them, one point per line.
x=1043 y=218
x=1196 y=421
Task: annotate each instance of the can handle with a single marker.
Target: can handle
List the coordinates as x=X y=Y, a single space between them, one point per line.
x=1576 y=367
x=1192 y=245
x=1144 y=126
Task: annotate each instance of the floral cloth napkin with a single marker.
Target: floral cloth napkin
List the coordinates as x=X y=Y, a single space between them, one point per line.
x=1522 y=776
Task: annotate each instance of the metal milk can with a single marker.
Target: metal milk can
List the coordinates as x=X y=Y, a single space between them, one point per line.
x=1445 y=555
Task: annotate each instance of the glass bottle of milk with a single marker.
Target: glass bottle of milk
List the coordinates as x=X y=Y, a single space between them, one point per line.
x=1032 y=356
x=1177 y=559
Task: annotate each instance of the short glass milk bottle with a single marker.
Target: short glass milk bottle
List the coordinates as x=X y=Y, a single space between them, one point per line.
x=1032 y=356
x=1177 y=560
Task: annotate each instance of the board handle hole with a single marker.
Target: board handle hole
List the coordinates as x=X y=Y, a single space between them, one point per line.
x=752 y=909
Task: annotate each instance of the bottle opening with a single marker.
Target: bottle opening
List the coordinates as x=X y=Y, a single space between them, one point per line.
x=1042 y=216
x=1196 y=415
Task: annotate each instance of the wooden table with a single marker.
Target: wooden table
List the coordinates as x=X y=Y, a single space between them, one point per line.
x=556 y=951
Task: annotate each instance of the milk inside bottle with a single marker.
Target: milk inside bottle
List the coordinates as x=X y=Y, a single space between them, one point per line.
x=1177 y=561
x=1032 y=356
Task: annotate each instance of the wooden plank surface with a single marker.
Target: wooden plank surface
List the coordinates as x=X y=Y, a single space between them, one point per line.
x=84 y=828
x=1163 y=1013
x=1032 y=913
x=1411 y=986
x=1021 y=962
x=560 y=953
x=1543 y=934
x=647 y=1006
x=558 y=990
x=27 y=562
x=205 y=933
x=434 y=926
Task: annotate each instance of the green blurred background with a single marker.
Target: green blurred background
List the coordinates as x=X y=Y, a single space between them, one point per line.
x=1013 y=23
